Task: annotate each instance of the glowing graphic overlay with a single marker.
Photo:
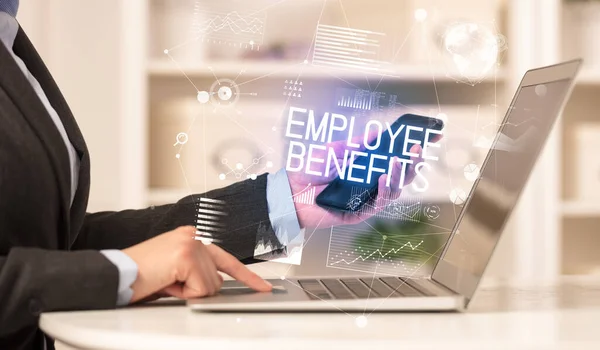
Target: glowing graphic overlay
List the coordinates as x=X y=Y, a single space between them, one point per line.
x=334 y=110
x=181 y=139
x=240 y=28
x=306 y=196
x=224 y=92
x=317 y=134
x=210 y=212
x=398 y=209
x=471 y=172
x=293 y=88
x=485 y=134
x=458 y=196
x=351 y=248
x=473 y=49
x=432 y=211
x=203 y=97
x=360 y=99
x=250 y=171
x=346 y=48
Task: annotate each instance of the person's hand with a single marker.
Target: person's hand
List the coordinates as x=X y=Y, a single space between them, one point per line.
x=312 y=215
x=176 y=264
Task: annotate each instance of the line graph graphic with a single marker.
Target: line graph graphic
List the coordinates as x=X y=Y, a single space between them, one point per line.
x=357 y=249
x=377 y=253
x=484 y=135
x=234 y=28
x=251 y=171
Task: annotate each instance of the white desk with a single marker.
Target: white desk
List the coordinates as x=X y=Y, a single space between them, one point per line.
x=563 y=317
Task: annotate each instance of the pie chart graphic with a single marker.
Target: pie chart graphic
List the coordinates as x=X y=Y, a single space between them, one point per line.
x=471 y=172
x=458 y=196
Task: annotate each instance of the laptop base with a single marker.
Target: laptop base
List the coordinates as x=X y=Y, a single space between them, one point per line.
x=290 y=296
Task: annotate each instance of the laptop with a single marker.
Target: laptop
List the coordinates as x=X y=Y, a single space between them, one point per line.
x=538 y=102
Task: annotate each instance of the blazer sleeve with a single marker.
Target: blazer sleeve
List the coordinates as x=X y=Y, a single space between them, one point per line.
x=34 y=280
x=237 y=218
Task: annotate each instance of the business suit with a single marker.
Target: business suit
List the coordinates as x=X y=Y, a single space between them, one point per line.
x=40 y=230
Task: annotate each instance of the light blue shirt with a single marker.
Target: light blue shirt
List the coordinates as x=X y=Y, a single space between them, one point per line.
x=279 y=197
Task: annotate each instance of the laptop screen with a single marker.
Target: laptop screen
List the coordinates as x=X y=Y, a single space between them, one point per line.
x=503 y=176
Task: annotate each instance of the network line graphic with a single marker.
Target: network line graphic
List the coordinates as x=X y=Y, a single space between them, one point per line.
x=251 y=171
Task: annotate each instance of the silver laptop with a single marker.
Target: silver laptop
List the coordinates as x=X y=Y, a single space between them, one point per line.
x=538 y=102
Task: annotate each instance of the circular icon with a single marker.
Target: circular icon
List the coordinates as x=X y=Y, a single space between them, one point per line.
x=471 y=172
x=354 y=203
x=181 y=138
x=396 y=209
x=203 y=97
x=224 y=92
x=458 y=196
x=432 y=212
x=473 y=48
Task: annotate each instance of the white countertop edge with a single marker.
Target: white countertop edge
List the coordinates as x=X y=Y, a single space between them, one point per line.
x=86 y=338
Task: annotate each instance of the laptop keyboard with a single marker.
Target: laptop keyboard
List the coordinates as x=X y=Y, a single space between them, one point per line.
x=362 y=288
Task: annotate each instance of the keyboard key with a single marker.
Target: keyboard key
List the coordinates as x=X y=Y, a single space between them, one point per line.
x=314 y=289
x=401 y=287
x=337 y=289
x=380 y=288
x=429 y=287
x=358 y=288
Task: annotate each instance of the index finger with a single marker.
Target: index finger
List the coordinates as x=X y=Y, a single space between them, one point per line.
x=228 y=264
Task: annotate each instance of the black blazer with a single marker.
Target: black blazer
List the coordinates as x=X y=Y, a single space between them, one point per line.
x=49 y=257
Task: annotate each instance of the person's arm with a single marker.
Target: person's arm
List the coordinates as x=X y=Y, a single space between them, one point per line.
x=34 y=280
x=246 y=218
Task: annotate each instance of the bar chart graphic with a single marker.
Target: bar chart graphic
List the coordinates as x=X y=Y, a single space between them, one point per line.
x=208 y=223
x=347 y=48
x=307 y=196
x=359 y=99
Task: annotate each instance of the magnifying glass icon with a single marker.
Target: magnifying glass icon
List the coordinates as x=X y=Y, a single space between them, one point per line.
x=181 y=138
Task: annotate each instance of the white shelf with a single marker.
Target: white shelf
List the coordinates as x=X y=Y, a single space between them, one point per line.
x=164 y=68
x=581 y=208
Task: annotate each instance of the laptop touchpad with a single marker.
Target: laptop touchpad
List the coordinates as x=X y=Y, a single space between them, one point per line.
x=245 y=290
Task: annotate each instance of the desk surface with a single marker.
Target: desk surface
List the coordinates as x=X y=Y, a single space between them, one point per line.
x=565 y=316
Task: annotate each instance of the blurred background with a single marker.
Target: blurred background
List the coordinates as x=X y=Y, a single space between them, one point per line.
x=132 y=99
